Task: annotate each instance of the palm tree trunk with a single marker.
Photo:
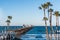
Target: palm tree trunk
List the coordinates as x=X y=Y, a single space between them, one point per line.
x=55 y=34
x=47 y=36
x=51 y=28
x=44 y=13
x=56 y=26
x=58 y=30
x=54 y=31
x=48 y=12
x=58 y=21
x=49 y=19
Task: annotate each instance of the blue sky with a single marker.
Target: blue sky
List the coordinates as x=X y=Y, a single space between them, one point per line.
x=25 y=11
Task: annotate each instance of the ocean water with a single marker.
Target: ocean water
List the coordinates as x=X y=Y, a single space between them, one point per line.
x=4 y=28
x=36 y=33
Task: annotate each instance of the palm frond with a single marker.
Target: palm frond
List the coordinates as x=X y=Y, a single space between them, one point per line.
x=56 y=13
x=40 y=7
x=9 y=17
x=8 y=21
x=49 y=4
x=50 y=10
x=45 y=18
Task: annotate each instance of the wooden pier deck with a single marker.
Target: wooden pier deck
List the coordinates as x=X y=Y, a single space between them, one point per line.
x=21 y=31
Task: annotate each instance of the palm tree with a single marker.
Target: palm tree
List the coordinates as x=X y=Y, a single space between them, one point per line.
x=9 y=17
x=45 y=19
x=56 y=13
x=8 y=22
x=44 y=7
x=49 y=4
x=58 y=28
x=51 y=28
